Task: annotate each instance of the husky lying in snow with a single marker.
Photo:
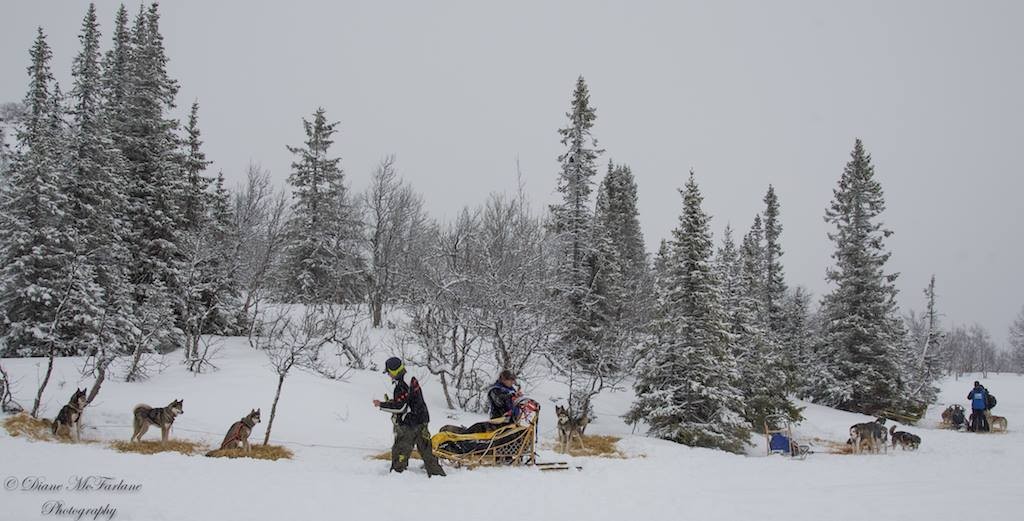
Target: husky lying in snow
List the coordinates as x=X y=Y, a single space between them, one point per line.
x=162 y=417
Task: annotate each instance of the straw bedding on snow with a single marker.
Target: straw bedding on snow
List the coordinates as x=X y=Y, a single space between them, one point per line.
x=266 y=452
x=185 y=447
x=23 y=425
x=594 y=446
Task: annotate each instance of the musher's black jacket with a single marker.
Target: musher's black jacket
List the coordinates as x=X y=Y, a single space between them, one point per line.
x=407 y=404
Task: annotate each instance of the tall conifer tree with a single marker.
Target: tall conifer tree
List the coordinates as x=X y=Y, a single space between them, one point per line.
x=862 y=334
x=686 y=389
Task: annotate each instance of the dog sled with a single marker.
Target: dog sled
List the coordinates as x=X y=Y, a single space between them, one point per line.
x=494 y=442
x=909 y=414
x=778 y=433
x=955 y=417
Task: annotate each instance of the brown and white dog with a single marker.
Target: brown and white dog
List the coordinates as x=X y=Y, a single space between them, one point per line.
x=997 y=423
x=240 y=431
x=69 y=420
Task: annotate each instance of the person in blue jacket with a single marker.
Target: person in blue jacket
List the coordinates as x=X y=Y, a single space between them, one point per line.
x=979 y=403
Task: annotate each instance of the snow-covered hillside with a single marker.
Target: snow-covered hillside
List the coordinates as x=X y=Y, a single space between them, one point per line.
x=333 y=429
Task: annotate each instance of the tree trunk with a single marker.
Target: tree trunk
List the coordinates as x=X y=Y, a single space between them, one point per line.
x=252 y=323
x=101 y=370
x=134 y=369
x=377 y=309
x=46 y=380
x=273 y=410
x=447 y=395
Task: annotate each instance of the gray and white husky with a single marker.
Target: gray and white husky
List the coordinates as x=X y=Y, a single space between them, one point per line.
x=871 y=436
x=569 y=427
x=162 y=417
x=69 y=420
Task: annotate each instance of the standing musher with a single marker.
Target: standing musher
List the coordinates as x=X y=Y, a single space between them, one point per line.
x=979 y=403
x=411 y=418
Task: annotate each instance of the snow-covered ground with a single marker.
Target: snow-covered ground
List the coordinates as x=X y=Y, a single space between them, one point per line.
x=333 y=428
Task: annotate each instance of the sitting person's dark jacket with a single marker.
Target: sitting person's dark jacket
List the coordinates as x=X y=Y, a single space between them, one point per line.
x=502 y=396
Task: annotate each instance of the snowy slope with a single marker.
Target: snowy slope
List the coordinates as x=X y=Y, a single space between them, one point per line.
x=332 y=427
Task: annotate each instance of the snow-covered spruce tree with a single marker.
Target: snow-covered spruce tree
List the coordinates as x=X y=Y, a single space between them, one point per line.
x=617 y=222
x=195 y=199
x=10 y=115
x=753 y=267
x=96 y=205
x=42 y=280
x=862 y=332
x=226 y=300
x=322 y=261
x=797 y=338
x=756 y=350
x=588 y=351
x=147 y=137
x=116 y=80
x=572 y=220
x=686 y=385
x=661 y=259
x=774 y=290
x=617 y=211
x=728 y=270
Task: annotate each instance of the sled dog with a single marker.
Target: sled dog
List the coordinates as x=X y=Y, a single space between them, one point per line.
x=238 y=433
x=905 y=440
x=997 y=423
x=162 y=417
x=871 y=436
x=954 y=417
x=69 y=420
x=569 y=427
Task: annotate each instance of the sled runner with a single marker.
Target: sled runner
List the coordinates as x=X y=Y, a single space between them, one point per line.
x=494 y=442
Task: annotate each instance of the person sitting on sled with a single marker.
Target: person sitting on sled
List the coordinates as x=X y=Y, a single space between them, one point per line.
x=411 y=418
x=503 y=398
x=503 y=395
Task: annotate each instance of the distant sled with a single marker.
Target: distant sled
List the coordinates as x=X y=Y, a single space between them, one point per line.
x=778 y=433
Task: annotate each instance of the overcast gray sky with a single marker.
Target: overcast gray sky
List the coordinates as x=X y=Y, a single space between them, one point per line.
x=745 y=93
